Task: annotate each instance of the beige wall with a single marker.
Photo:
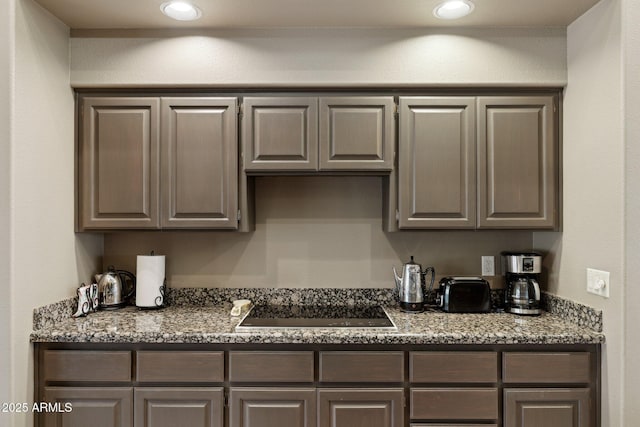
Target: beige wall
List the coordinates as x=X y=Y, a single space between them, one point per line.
x=631 y=42
x=48 y=260
x=6 y=80
x=266 y=57
x=594 y=175
x=310 y=232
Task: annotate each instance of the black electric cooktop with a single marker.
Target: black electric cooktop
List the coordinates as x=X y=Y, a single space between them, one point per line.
x=280 y=317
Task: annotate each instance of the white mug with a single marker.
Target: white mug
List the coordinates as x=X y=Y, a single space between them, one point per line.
x=240 y=306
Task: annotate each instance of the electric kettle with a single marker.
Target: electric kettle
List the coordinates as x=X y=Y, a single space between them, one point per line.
x=111 y=288
x=411 y=286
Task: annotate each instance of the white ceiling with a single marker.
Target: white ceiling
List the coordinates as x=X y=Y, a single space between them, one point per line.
x=145 y=14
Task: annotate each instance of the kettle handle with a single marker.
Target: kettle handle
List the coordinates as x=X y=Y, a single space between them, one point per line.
x=427 y=292
x=133 y=283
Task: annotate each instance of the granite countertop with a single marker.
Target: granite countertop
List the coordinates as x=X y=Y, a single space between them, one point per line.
x=213 y=324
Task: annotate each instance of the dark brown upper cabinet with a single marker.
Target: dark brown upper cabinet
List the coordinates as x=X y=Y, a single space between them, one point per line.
x=199 y=161
x=118 y=156
x=517 y=162
x=150 y=163
x=309 y=134
x=356 y=133
x=280 y=133
x=436 y=166
x=486 y=162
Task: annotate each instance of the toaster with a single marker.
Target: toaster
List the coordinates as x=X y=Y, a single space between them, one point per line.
x=464 y=295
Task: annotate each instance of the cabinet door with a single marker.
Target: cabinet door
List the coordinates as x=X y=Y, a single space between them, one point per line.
x=272 y=407
x=552 y=407
x=83 y=406
x=199 y=163
x=179 y=406
x=360 y=408
x=280 y=133
x=437 y=162
x=118 y=163
x=518 y=162
x=357 y=133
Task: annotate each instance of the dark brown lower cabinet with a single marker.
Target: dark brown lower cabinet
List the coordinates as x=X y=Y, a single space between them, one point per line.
x=179 y=406
x=272 y=407
x=89 y=406
x=320 y=385
x=363 y=407
x=547 y=407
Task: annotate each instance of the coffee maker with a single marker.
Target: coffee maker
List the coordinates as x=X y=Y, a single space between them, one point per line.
x=522 y=292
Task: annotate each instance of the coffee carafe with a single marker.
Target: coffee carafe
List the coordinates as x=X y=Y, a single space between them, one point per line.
x=522 y=291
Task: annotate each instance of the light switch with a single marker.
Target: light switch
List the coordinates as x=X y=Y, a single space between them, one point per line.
x=598 y=282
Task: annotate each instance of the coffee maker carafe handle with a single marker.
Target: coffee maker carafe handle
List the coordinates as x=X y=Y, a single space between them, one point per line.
x=426 y=290
x=536 y=288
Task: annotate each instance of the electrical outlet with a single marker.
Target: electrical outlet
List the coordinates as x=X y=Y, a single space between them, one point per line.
x=598 y=282
x=488 y=266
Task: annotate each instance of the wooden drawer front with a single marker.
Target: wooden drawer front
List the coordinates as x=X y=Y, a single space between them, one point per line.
x=546 y=367
x=180 y=366
x=271 y=366
x=360 y=366
x=453 y=367
x=70 y=365
x=452 y=425
x=454 y=403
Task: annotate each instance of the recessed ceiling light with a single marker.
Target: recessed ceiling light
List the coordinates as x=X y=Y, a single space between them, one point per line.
x=453 y=9
x=181 y=10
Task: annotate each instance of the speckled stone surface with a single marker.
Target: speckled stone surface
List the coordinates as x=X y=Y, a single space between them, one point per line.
x=573 y=312
x=211 y=323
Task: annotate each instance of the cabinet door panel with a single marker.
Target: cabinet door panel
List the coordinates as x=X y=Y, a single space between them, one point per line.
x=280 y=133
x=360 y=408
x=547 y=408
x=179 y=406
x=199 y=163
x=272 y=407
x=437 y=162
x=517 y=158
x=118 y=155
x=97 y=407
x=356 y=133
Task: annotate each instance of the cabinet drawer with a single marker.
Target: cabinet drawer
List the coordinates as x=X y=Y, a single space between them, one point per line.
x=454 y=403
x=453 y=367
x=180 y=366
x=546 y=367
x=271 y=366
x=452 y=425
x=360 y=366
x=70 y=365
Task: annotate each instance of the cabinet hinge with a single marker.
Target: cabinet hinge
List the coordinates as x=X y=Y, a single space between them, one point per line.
x=395 y=110
x=240 y=109
x=226 y=399
x=397 y=215
x=239 y=215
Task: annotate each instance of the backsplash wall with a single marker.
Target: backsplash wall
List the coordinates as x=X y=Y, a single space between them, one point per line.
x=311 y=232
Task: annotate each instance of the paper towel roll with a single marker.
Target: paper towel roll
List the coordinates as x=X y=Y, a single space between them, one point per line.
x=150 y=281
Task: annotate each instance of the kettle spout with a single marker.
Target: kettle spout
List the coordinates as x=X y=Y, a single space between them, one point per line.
x=398 y=279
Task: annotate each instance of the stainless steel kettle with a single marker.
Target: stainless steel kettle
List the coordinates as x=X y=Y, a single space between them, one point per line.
x=411 y=287
x=111 y=288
